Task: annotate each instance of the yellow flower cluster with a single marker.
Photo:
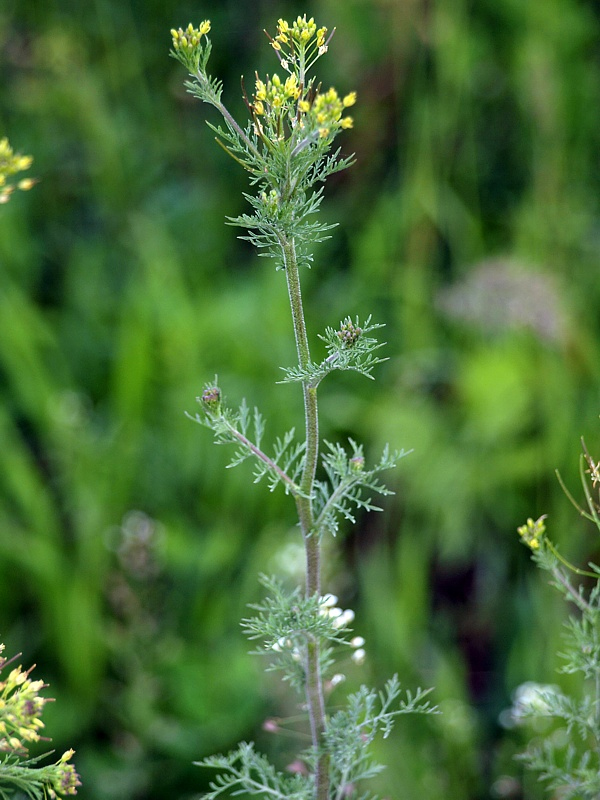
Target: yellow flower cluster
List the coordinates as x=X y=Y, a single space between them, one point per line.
x=10 y=164
x=300 y=44
x=532 y=533
x=326 y=109
x=274 y=94
x=20 y=710
x=189 y=38
x=302 y=31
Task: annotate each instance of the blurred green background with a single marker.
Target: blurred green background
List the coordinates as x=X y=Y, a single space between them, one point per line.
x=470 y=226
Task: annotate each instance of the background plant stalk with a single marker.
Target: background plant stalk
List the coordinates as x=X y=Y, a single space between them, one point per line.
x=311 y=537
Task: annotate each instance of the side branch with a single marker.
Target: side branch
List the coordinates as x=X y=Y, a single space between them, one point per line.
x=293 y=487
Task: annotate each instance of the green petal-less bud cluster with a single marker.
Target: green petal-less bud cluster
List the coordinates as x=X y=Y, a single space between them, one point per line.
x=211 y=400
x=357 y=464
x=349 y=333
x=10 y=164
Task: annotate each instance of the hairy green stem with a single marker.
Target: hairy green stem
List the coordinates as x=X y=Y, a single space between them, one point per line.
x=314 y=684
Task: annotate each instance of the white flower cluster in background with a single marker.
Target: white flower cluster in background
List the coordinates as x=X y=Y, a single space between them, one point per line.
x=341 y=619
x=531 y=700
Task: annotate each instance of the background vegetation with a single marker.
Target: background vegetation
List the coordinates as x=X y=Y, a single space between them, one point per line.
x=470 y=226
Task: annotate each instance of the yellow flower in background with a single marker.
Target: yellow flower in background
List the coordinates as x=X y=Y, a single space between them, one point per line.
x=10 y=164
x=532 y=533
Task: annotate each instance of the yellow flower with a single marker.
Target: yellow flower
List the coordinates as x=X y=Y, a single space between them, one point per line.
x=532 y=533
x=11 y=163
x=190 y=38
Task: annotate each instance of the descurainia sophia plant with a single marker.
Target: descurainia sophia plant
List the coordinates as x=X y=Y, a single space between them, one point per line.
x=21 y=707
x=567 y=755
x=21 y=704
x=287 y=147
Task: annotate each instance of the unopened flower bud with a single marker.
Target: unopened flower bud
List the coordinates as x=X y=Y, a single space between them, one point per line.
x=211 y=399
x=343 y=619
x=357 y=464
x=349 y=333
x=328 y=600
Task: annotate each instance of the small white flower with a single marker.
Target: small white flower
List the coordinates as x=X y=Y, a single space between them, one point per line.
x=358 y=656
x=530 y=700
x=343 y=619
x=328 y=600
x=337 y=679
x=357 y=641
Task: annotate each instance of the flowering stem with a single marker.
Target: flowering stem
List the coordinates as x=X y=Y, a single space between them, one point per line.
x=314 y=683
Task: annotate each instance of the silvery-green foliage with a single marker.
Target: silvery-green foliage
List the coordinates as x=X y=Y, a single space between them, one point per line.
x=235 y=427
x=343 y=493
x=347 y=737
x=244 y=771
x=567 y=758
x=285 y=622
x=353 y=728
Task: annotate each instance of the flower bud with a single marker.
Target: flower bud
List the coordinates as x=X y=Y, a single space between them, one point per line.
x=349 y=333
x=211 y=400
x=357 y=464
